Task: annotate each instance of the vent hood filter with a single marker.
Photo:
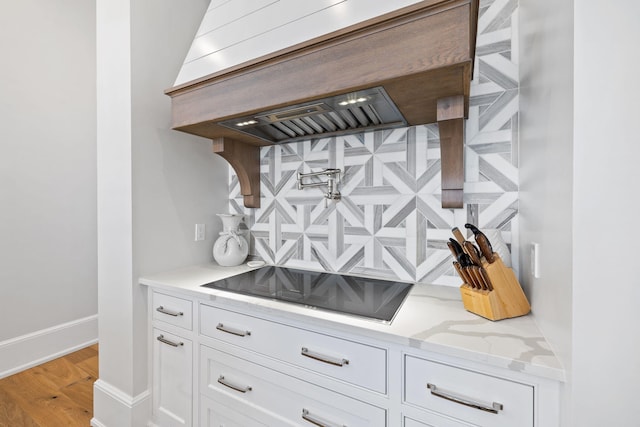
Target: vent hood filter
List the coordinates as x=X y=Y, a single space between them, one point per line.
x=348 y=113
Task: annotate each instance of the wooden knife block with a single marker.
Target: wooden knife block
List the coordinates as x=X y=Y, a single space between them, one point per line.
x=506 y=300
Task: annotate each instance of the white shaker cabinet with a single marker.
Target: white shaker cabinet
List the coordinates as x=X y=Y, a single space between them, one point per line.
x=172 y=361
x=223 y=362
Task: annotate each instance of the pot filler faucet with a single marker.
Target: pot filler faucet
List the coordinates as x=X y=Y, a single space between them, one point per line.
x=333 y=176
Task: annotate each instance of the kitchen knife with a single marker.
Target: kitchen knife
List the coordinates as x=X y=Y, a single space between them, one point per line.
x=462 y=263
x=465 y=263
x=486 y=279
x=453 y=250
x=463 y=258
x=483 y=242
x=458 y=235
x=471 y=278
x=479 y=279
x=467 y=266
x=463 y=274
x=472 y=251
x=456 y=249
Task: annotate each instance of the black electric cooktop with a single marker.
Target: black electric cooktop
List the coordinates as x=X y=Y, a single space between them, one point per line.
x=359 y=296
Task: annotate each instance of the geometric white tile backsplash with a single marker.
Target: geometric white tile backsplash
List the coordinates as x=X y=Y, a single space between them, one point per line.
x=389 y=222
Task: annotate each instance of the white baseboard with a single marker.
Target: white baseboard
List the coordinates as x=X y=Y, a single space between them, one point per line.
x=114 y=408
x=96 y=423
x=27 y=351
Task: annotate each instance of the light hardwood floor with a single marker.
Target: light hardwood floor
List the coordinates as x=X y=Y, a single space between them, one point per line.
x=55 y=394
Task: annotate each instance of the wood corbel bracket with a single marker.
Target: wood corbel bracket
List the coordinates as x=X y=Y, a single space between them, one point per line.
x=450 y=116
x=245 y=161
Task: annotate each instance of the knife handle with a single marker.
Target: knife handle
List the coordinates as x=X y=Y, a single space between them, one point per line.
x=485 y=247
x=453 y=250
x=472 y=251
x=465 y=275
x=480 y=279
x=486 y=278
x=465 y=260
x=462 y=275
x=458 y=235
x=483 y=242
x=472 y=280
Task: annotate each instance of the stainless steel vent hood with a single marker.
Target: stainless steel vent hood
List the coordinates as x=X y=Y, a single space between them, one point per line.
x=408 y=67
x=349 y=113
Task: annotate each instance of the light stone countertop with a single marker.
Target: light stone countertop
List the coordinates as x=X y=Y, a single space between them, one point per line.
x=432 y=318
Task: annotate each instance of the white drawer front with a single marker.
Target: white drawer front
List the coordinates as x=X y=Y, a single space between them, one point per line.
x=345 y=360
x=432 y=420
x=408 y=422
x=473 y=388
x=214 y=414
x=292 y=402
x=173 y=310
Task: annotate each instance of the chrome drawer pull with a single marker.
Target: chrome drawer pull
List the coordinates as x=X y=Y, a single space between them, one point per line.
x=465 y=401
x=163 y=310
x=161 y=338
x=233 y=331
x=226 y=383
x=318 y=421
x=326 y=359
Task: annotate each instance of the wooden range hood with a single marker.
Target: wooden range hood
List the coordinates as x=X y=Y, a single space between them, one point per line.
x=421 y=56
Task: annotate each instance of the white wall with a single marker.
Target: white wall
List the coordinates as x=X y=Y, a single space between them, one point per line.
x=177 y=179
x=606 y=287
x=48 y=277
x=546 y=150
x=579 y=155
x=154 y=185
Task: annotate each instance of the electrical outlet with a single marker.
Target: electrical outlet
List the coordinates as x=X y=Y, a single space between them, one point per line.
x=200 y=232
x=535 y=260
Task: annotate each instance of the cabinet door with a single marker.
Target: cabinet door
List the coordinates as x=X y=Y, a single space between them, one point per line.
x=172 y=379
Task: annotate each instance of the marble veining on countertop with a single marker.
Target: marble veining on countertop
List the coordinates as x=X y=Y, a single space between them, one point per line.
x=431 y=318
